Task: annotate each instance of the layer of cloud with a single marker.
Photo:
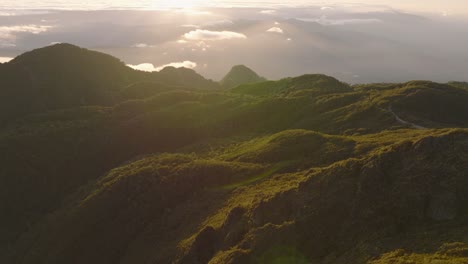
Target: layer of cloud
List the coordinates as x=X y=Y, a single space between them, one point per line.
x=268 y=12
x=5 y=59
x=3 y=13
x=276 y=30
x=193 y=12
x=459 y=6
x=23 y=12
x=142 y=45
x=219 y=23
x=339 y=22
x=7 y=45
x=201 y=34
x=8 y=31
x=149 y=67
x=8 y=34
x=302 y=48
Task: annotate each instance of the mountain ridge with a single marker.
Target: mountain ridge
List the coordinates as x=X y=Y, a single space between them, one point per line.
x=82 y=77
x=305 y=169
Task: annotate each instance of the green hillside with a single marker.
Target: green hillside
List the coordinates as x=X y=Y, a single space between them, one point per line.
x=168 y=168
x=64 y=76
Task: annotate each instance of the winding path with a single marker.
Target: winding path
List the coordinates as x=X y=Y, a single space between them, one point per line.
x=403 y=122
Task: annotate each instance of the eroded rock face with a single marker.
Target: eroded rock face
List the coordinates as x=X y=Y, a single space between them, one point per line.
x=204 y=247
x=211 y=240
x=235 y=227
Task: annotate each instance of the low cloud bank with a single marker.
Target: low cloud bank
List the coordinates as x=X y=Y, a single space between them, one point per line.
x=275 y=30
x=8 y=34
x=149 y=67
x=5 y=59
x=201 y=34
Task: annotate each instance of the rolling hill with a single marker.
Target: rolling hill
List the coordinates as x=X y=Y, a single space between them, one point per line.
x=65 y=76
x=169 y=168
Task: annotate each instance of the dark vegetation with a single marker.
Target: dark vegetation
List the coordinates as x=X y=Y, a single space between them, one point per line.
x=104 y=164
x=65 y=76
x=238 y=75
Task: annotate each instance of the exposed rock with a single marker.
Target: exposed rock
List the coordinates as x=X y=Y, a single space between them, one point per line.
x=204 y=247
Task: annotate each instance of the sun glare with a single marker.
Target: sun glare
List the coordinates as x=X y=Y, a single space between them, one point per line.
x=178 y=3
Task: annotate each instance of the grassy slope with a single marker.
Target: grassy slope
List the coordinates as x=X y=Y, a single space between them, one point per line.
x=303 y=169
x=361 y=198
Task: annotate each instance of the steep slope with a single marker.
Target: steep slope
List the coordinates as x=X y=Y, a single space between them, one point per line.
x=240 y=74
x=60 y=76
x=177 y=209
x=64 y=76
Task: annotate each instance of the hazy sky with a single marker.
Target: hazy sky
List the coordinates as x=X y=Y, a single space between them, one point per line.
x=369 y=41
x=448 y=6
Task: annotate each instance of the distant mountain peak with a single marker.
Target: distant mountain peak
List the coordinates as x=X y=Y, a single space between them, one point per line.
x=64 y=56
x=240 y=74
x=241 y=67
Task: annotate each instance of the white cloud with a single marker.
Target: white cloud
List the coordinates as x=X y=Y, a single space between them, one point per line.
x=8 y=31
x=202 y=44
x=184 y=64
x=149 y=67
x=23 y=12
x=201 y=34
x=325 y=8
x=142 y=45
x=268 y=12
x=5 y=59
x=192 y=12
x=8 y=34
x=276 y=30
